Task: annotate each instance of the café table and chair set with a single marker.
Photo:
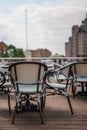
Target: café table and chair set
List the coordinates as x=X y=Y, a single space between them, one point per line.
x=32 y=82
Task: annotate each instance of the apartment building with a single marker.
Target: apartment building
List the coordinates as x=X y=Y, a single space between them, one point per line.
x=77 y=43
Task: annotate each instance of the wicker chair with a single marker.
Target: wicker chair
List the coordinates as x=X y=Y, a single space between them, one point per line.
x=5 y=87
x=80 y=74
x=58 y=82
x=28 y=79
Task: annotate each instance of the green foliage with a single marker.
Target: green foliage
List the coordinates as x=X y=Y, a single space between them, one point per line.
x=20 y=52
x=12 y=51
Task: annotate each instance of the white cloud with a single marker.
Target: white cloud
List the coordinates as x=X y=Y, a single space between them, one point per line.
x=49 y=24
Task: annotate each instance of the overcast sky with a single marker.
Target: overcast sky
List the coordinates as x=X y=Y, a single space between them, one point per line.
x=49 y=22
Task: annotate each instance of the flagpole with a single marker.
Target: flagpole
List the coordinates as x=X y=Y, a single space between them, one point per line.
x=26 y=29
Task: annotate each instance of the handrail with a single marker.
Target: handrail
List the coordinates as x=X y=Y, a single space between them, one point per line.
x=60 y=60
x=44 y=58
x=54 y=57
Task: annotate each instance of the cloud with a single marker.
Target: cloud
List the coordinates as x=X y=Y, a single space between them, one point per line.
x=49 y=23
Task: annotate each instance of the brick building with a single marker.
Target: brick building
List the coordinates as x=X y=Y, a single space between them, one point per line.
x=3 y=48
x=38 y=53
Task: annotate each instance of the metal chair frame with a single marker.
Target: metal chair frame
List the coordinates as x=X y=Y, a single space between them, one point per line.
x=28 y=79
x=60 y=86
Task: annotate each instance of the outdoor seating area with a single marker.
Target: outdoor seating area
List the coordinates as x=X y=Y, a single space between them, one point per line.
x=37 y=96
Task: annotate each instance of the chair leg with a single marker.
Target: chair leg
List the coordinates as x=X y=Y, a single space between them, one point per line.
x=41 y=114
x=73 y=86
x=14 y=114
x=70 y=106
x=44 y=98
x=42 y=103
x=9 y=106
x=74 y=92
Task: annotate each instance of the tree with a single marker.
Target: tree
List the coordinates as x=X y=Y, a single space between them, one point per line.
x=12 y=51
x=20 y=52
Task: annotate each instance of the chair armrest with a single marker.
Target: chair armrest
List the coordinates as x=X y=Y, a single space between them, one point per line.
x=59 y=75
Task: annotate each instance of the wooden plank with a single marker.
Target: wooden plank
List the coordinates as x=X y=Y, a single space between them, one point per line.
x=57 y=115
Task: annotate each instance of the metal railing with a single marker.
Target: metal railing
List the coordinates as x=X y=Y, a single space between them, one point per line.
x=60 y=60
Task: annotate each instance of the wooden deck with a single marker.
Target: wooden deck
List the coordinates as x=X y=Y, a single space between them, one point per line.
x=57 y=115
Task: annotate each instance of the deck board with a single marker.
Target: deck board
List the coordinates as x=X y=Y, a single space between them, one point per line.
x=57 y=115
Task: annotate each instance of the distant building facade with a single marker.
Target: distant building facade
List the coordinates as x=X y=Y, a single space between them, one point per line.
x=38 y=53
x=77 y=43
x=28 y=53
x=3 y=48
